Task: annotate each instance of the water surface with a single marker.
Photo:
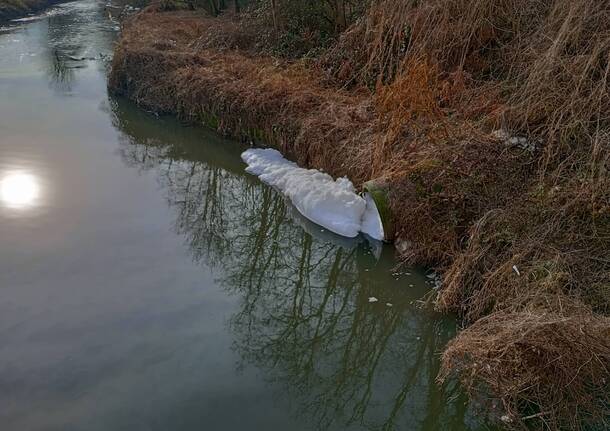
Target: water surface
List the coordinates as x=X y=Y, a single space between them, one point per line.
x=148 y=283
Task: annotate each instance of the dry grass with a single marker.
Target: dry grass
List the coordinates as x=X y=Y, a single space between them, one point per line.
x=412 y=94
x=164 y=65
x=549 y=369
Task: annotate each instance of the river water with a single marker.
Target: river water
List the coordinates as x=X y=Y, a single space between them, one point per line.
x=148 y=283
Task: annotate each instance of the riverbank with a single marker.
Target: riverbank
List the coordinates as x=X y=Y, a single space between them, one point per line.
x=11 y=9
x=494 y=152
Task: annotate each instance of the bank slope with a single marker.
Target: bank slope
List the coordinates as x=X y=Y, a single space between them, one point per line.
x=492 y=153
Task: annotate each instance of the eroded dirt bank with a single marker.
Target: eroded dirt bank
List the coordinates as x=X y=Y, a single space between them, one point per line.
x=496 y=166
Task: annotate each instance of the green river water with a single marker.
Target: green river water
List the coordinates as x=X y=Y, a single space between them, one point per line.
x=148 y=283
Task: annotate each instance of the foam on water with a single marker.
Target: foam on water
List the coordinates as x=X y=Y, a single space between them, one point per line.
x=333 y=204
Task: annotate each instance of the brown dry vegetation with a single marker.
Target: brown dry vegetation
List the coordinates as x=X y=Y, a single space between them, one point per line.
x=411 y=94
x=165 y=64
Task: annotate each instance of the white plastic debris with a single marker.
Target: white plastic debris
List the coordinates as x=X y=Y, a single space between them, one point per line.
x=514 y=141
x=435 y=280
x=516 y=270
x=333 y=204
x=403 y=245
x=388 y=304
x=373 y=299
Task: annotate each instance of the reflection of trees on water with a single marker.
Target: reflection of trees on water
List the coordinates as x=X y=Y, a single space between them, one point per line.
x=61 y=75
x=72 y=38
x=343 y=358
x=305 y=316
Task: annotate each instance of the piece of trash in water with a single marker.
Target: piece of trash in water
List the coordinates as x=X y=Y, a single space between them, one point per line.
x=373 y=299
x=435 y=280
x=506 y=419
x=389 y=304
x=516 y=270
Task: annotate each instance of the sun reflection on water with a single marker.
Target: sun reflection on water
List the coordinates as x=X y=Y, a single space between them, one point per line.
x=19 y=190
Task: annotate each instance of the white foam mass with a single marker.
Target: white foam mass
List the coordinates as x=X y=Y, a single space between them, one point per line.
x=371 y=220
x=333 y=204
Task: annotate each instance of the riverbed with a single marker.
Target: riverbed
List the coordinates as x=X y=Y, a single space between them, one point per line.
x=148 y=283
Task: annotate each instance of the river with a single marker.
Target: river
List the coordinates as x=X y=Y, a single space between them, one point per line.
x=148 y=283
